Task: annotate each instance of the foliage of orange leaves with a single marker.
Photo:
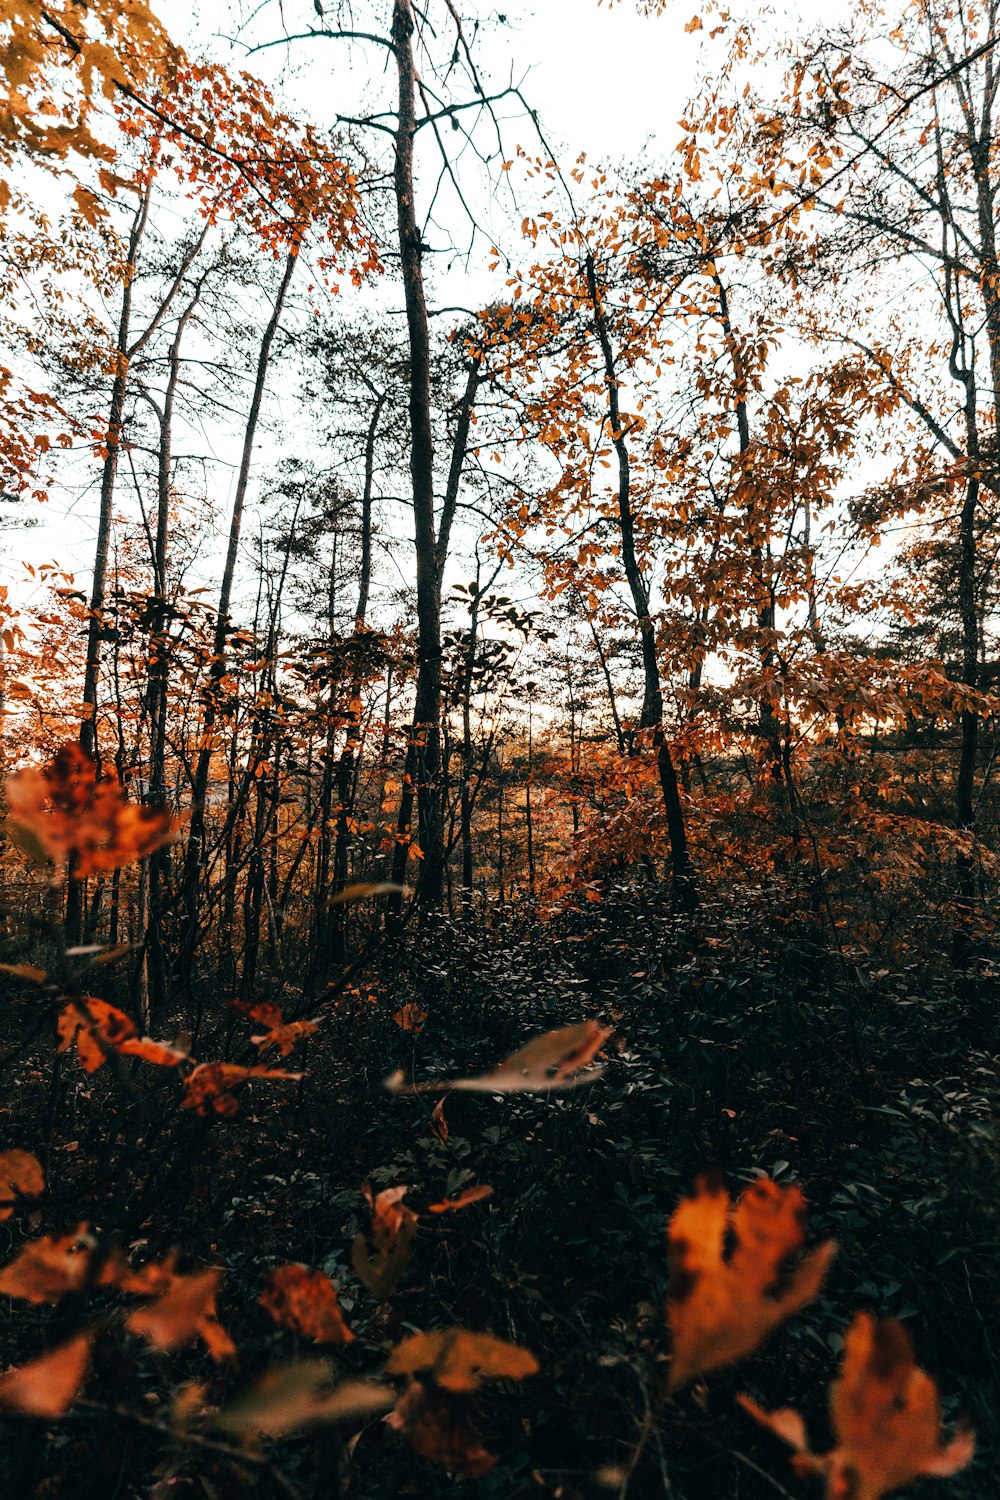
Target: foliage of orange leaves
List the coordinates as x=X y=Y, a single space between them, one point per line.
x=554 y=1060
x=459 y=1361
x=48 y=1268
x=439 y=1427
x=305 y=1301
x=885 y=1415
x=462 y=1199
x=20 y=1175
x=67 y=813
x=722 y=1306
x=48 y=1385
x=184 y=1311
x=209 y=1088
x=381 y=1256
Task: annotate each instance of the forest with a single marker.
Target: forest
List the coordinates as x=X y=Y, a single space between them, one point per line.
x=499 y=940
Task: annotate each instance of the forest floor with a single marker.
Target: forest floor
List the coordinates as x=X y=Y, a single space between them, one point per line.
x=757 y=1052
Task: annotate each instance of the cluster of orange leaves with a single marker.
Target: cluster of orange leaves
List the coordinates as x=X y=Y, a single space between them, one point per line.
x=77 y=817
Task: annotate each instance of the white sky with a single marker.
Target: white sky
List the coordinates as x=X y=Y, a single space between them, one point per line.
x=610 y=83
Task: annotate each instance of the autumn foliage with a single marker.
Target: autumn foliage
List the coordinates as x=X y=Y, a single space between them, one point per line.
x=498 y=873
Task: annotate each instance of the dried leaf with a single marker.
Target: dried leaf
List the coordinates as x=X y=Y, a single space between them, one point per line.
x=439 y=1427
x=185 y=1310
x=97 y=1028
x=410 y=1018
x=284 y=1037
x=298 y=1395
x=359 y=892
x=157 y=1053
x=721 y=1307
x=551 y=1061
x=21 y=1175
x=48 y=1268
x=439 y=1124
x=462 y=1199
x=885 y=1415
x=459 y=1361
x=67 y=813
x=305 y=1301
x=48 y=1385
x=25 y=971
x=209 y=1089
x=381 y=1257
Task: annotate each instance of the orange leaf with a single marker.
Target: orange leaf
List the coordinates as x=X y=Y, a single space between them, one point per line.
x=300 y=1395
x=410 y=1018
x=439 y=1427
x=157 y=1053
x=97 y=1028
x=20 y=1173
x=305 y=1301
x=439 y=1124
x=550 y=1061
x=459 y=1361
x=80 y=820
x=721 y=1307
x=209 y=1089
x=381 y=1257
x=462 y=1199
x=284 y=1037
x=49 y=1384
x=885 y=1415
x=185 y=1309
x=48 y=1268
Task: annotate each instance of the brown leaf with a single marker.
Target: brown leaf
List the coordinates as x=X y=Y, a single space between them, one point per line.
x=410 y=1018
x=48 y=1268
x=285 y=1036
x=439 y=1427
x=462 y=1199
x=209 y=1089
x=722 y=1306
x=885 y=1415
x=305 y=1301
x=157 y=1053
x=298 y=1395
x=48 y=1385
x=439 y=1124
x=185 y=1310
x=381 y=1257
x=80 y=820
x=551 y=1061
x=459 y=1361
x=97 y=1028
x=20 y=1175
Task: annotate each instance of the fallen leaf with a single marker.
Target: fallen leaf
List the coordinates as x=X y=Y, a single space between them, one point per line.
x=305 y=1301
x=184 y=1311
x=285 y=1037
x=21 y=1175
x=299 y=1395
x=721 y=1306
x=48 y=1385
x=462 y=1199
x=439 y=1427
x=410 y=1018
x=885 y=1415
x=47 y=1269
x=381 y=1256
x=97 y=1028
x=551 y=1061
x=209 y=1089
x=460 y=1361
